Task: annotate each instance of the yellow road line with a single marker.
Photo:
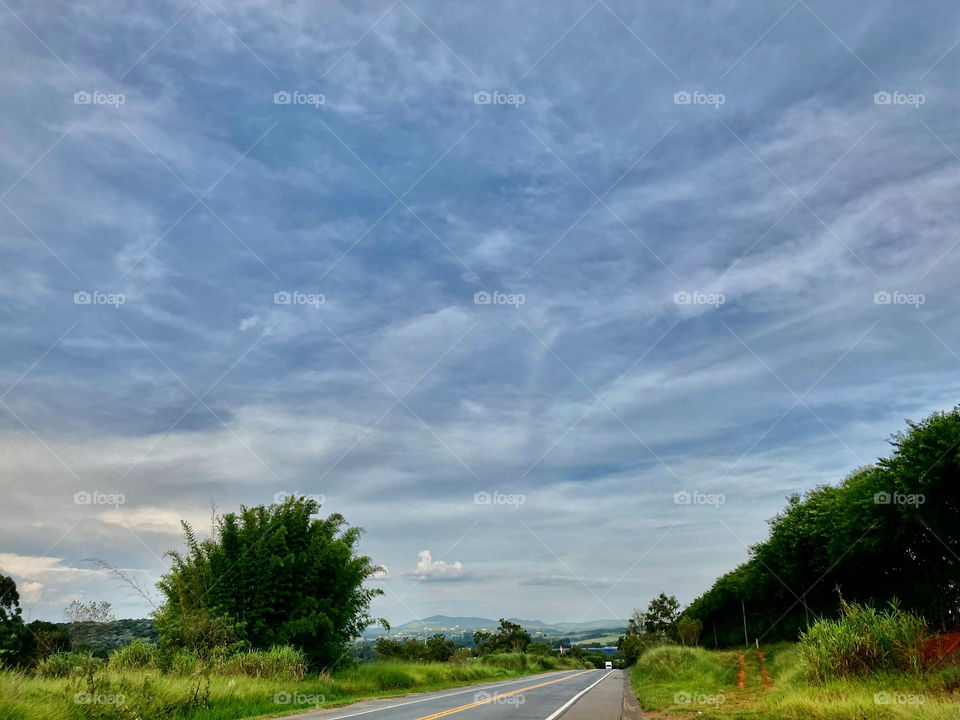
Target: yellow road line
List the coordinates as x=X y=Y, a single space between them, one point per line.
x=493 y=698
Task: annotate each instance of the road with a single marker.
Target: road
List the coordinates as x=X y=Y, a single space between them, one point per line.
x=572 y=694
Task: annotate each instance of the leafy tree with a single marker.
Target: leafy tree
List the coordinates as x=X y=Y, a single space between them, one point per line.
x=46 y=638
x=271 y=575
x=510 y=637
x=886 y=531
x=13 y=640
x=540 y=649
x=661 y=616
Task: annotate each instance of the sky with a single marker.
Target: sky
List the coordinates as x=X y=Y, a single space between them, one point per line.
x=559 y=301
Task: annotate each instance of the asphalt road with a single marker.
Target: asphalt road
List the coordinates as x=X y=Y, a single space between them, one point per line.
x=572 y=694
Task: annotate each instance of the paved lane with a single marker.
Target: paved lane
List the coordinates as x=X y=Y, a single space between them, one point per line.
x=536 y=697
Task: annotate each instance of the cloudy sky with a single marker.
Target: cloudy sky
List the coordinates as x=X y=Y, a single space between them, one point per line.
x=497 y=280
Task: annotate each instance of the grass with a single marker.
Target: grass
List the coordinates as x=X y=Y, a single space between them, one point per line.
x=148 y=693
x=692 y=682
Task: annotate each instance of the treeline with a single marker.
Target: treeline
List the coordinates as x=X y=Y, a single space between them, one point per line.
x=890 y=530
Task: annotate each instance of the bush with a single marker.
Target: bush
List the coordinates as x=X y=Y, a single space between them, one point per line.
x=281 y=661
x=66 y=664
x=863 y=641
x=138 y=655
x=461 y=656
x=390 y=677
x=517 y=662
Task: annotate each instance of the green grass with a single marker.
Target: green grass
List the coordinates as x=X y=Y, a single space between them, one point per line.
x=150 y=693
x=665 y=675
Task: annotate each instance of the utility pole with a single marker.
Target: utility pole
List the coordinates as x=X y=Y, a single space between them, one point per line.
x=743 y=609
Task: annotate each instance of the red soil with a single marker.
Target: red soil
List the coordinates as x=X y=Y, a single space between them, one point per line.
x=939 y=648
x=741 y=672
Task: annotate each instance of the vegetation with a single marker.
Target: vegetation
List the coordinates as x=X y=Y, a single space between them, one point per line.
x=235 y=690
x=887 y=531
x=510 y=637
x=271 y=575
x=863 y=641
x=707 y=684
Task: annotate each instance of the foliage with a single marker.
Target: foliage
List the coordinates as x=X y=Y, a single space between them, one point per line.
x=46 y=638
x=271 y=575
x=435 y=649
x=863 y=641
x=688 y=630
x=661 y=616
x=13 y=633
x=888 y=530
x=510 y=637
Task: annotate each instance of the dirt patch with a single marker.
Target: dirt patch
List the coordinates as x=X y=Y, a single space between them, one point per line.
x=941 y=649
x=741 y=672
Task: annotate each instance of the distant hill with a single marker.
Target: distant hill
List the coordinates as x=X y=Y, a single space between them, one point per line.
x=449 y=625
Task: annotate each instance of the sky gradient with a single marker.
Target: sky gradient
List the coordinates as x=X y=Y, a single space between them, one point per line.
x=717 y=262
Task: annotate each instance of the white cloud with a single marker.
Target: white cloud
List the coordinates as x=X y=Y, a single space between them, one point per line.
x=430 y=569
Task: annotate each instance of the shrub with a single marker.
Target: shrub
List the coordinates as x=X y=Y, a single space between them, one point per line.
x=66 y=664
x=516 y=662
x=863 y=641
x=281 y=661
x=139 y=654
x=461 y=656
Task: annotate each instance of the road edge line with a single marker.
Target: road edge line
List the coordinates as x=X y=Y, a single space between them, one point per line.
x=576 y=697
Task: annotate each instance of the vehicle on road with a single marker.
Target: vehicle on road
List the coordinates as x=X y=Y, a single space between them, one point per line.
x=609 y=665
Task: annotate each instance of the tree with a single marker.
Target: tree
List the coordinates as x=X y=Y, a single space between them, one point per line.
x=510 y=637
x=885 y=531
x=94 y=612
x=688 y=630
x=270 y=575
x=661 y=616
x=13 y=641
x=46 y=638
x=540 y=649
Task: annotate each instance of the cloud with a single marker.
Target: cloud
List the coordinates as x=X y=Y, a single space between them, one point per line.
x=430 y=569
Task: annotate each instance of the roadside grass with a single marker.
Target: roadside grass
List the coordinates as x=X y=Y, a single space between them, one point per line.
x=149 y=693
x=705 y=684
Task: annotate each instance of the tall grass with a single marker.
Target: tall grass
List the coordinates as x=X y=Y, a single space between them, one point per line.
x=863 y=641
x=240 y=685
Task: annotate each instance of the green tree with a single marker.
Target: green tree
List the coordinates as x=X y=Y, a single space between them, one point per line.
x=271 y=575
x=13 y=640
x=661 y=616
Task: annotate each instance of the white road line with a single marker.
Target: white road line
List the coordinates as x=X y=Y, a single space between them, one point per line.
x=576 y=697
x=472 y=688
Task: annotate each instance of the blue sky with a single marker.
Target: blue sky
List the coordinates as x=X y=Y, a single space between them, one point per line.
x=741 y=295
